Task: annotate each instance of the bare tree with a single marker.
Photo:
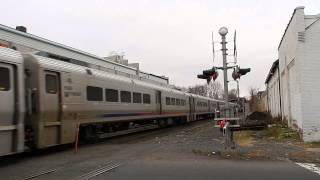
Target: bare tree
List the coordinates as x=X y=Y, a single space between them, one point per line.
x=213 y=90
x=198 y=89
x=253 y=102
x=253 y=91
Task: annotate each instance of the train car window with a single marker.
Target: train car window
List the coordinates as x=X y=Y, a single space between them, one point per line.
x=112 y=95
x=146 y=98
x=94 y=93
x=199 y=103
x=178 y=102
x=167 y=101
x=173 y=101
x=51 y=84
x=136 y=97
x=4 y=79
x=125 y=96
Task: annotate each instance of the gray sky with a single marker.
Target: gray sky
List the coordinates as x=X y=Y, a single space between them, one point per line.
x=167 y=37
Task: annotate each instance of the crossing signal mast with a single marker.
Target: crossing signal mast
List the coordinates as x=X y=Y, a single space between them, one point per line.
x=228 y=120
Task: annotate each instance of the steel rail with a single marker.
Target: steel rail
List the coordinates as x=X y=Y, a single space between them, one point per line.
x=98 y=171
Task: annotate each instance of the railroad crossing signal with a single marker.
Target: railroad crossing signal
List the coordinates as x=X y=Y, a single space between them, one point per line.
x=209 y=74
x=238 y=72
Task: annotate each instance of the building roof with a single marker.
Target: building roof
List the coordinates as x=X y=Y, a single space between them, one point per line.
x=314 y=18
x=273 y=68
x=29 y=40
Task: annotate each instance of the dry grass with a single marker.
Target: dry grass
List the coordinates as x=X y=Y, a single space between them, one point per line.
x=244 y=139
x=303 y=156
x=312 y=145
x=259 y=153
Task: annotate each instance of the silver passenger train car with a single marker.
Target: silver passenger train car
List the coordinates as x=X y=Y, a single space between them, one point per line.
x=44 y=100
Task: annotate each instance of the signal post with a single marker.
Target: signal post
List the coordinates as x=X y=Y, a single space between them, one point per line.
x=229 y=122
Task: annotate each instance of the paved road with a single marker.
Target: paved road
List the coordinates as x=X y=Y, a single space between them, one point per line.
x=217 y=169
x=162 y=154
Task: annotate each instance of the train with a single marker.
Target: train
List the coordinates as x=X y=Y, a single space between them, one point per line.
x=44 y=101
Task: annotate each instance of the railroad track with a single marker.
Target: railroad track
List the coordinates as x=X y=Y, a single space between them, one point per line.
x=104 y=168
x=252 y=127
x=96 y=172
x=41 y=173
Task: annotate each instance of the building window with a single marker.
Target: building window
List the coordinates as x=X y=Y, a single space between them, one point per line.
x=146 y=98
x=167 y=101
x=112 y=95
x=125 y=96
x=136 y=97
x=4 y=79
x=51 y=84
x=94 y=93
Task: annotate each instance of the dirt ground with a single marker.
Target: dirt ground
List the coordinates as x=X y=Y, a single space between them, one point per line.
x=265 y=145
x=250 y=145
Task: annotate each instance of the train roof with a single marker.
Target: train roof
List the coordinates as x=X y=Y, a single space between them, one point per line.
x=10 y=55
x=45 y=62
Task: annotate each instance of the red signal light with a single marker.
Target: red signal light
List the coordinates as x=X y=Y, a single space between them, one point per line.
x=214 y=76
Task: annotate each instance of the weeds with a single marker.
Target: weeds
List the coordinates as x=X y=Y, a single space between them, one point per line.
x=281 y=132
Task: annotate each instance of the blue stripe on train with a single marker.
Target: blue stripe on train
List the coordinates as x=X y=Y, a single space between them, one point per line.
x=121 y=114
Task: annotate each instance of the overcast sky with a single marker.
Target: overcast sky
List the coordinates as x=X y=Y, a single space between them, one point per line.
x=167 y=37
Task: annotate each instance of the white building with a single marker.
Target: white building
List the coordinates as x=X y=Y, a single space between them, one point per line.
x=273 y=91
x=299 y=66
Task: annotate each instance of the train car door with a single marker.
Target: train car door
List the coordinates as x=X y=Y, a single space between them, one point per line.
x=192 y=109
x=51 y=108
x=7 y=108
x=158 y=102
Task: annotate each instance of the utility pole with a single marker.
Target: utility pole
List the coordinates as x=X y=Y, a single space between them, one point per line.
x=223 y=32
x=238 y=90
